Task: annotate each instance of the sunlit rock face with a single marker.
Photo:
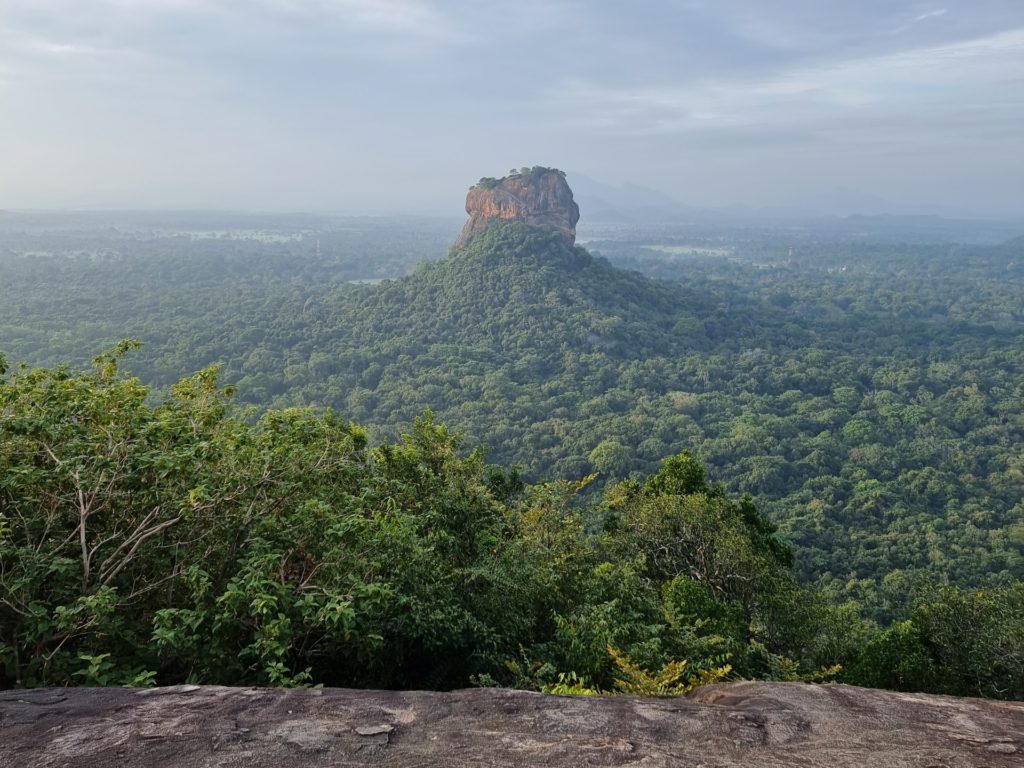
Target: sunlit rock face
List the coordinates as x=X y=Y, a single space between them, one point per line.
x=538 y=196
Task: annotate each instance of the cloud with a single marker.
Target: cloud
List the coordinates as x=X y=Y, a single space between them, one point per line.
x=979 y=75
x=415 y=16
x=931 y=14
x=404 y=15
x=51 y=48
x=209 y=41
x=916 y=20
x=179 y=93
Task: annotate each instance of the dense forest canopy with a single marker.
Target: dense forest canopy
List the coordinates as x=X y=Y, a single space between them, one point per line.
x=178 y=539
x=868 y=396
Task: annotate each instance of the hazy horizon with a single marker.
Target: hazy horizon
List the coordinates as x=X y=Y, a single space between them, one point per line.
x=396 y=106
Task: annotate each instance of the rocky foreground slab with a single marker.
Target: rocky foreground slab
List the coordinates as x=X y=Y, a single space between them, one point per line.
x=737 y=724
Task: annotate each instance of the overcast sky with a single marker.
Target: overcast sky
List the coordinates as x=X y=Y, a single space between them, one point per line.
x=398 y=105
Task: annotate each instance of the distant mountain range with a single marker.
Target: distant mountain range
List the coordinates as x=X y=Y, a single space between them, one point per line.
x=632 y=203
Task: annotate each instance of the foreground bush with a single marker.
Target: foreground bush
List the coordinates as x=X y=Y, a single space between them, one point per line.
x=185 y=540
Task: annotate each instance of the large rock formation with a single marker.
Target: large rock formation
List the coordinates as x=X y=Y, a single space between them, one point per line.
x=533 y=195
x=737 y=724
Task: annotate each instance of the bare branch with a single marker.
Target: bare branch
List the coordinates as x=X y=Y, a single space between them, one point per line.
x=135 y=548
x=83 y=516
x=139 y=529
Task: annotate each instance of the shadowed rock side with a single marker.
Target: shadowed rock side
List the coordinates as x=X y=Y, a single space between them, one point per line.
x=737 y=724
x=538 y=196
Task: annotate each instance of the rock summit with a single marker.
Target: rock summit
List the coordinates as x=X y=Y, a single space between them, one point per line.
x=538 y=196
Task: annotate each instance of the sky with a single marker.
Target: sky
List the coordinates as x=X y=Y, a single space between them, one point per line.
x=397 y=106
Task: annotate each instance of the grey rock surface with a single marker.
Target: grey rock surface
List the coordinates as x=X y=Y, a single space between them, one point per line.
x=735 y=724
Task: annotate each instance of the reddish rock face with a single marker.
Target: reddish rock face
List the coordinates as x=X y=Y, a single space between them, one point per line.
x=539 y=196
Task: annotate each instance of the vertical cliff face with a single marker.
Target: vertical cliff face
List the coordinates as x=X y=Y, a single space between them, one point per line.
x=537 y=196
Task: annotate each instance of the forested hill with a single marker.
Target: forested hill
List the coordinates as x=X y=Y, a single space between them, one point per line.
x=870 y=397
x=521 y=293
x=859 y=428
x=522 y=340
